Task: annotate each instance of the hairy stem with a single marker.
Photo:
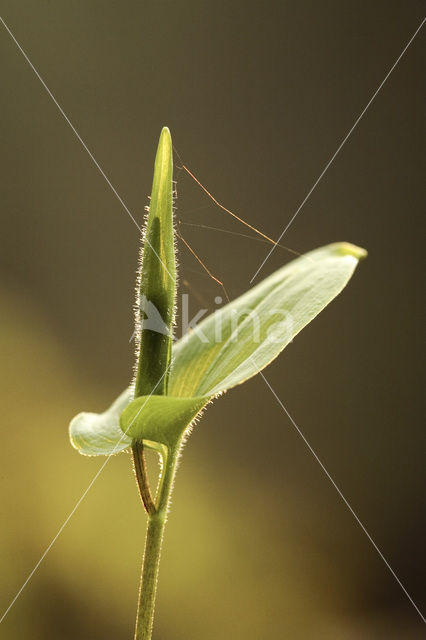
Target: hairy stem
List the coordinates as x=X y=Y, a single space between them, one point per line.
x=152 y=553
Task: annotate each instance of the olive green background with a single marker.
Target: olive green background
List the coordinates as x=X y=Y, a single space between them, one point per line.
x=258 y=96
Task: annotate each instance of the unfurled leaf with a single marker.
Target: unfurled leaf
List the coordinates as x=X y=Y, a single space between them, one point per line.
x=242 y=338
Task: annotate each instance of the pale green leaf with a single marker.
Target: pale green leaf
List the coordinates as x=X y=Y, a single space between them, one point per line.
x=240 y=339
x=99 y=434
x=235 y=342
x=162 y=419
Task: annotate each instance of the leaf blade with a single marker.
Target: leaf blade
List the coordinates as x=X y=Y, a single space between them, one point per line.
x=204 y=365
x=161 y=419
x=202 y=370
x=96 y=434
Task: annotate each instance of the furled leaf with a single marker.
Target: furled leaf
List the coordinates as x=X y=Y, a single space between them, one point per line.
x=243 y=337
x=157 y=280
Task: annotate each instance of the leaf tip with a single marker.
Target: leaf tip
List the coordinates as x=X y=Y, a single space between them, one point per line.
x=165 y=136
x=163 y=165
x=348 y=249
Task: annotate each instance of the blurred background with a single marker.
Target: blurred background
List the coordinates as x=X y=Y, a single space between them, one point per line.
x=258 y=97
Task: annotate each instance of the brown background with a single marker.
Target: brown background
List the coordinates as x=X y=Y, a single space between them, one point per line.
x=258 y=97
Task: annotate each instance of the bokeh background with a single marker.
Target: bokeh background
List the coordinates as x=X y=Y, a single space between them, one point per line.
x=258 y=96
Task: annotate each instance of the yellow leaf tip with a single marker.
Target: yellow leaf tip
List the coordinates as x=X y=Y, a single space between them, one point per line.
x=348 y=249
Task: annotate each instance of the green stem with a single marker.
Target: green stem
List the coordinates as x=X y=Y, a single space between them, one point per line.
x=152 y=553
